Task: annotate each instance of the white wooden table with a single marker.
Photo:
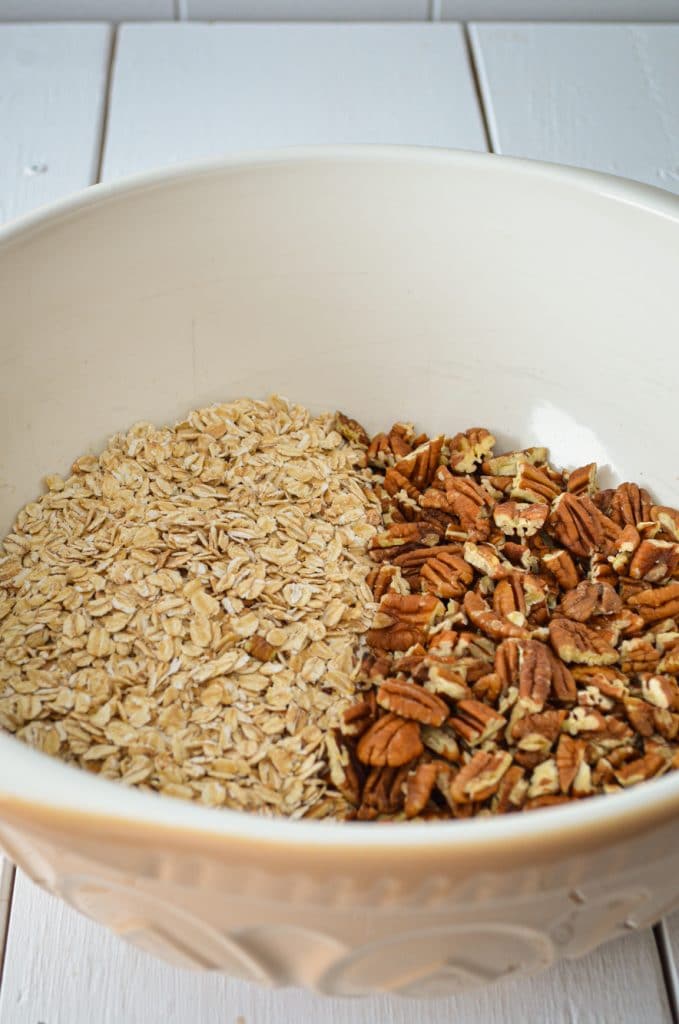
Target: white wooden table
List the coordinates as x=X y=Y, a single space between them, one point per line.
x=81 y=103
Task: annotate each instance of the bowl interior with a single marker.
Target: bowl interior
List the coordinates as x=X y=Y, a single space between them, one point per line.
x=450 y=289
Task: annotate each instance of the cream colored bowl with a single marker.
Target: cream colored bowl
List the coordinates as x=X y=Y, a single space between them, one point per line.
x=450 y=288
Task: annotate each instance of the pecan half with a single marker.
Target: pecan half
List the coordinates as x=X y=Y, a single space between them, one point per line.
x=638 y=655
x=391 y=741
x=509 y=597
x=446 y=574
x=588 y=599
x=419 y=465
x=447 y=680
x=630 y=505
x=471 y=503
x=576 y=642
x=576 y=523
x=412 y=701
x=383 y=792
x=562 y=567
x=535 y=673
x=533 y=484
x=475 y=722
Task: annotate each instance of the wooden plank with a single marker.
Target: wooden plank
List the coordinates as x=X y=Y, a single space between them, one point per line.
x=86 y=10
x=310 y=10
x=61 y=967
x=187 y=91
x=597 y=96
x=560 y=10
x=52 y=95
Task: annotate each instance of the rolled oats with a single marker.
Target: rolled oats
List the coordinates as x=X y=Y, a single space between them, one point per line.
x=183 y=612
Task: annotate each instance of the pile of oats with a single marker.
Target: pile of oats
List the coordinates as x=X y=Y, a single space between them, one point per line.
x=184 y=612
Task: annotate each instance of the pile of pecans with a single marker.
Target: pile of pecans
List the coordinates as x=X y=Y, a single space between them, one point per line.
x=526 y=649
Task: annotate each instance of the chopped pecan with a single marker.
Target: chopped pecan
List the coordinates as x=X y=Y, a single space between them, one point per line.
x=544 y=781
x=259 y=648
x=643 y=768
x=661 y=691
x=654 y=560
x=520 y=518
x=383 y=791
x=668 y=520
x=475 y=722
x=520 y=555
x=487 y=560
x=511 y=792
x=533 y=484
x=638 y=655
x=508 y=463
x=538 y=731
x=484 y=618
x=583 y=480
x=623 y=549
x=391 y=741
x=343 y=774
x=419 y=788
x=384 y=578
x=588 y=599
x=412 y=701
x=570 y=754
x=441 y=741
x=447 y=680
x=351 y=430
x=480 y=777
x=576 y=642
x=468 y=450
x=419 y=465
x=576 y=523
x=488 y=688
x=640 y=715
x=630 y=505
x=562 y=566
x=601 y=570
x=654 y=605
x=398 y=535
x=358 y=718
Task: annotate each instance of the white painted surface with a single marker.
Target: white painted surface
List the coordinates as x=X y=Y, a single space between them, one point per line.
x=86 y=10
x=52 y=93
x=185 y=102
x=560 y=10
x=182 y=92
x=598 y=96
x=63 y=969
x=309 y=10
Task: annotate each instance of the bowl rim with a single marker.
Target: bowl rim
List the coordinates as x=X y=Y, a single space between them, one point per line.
x=31 y=783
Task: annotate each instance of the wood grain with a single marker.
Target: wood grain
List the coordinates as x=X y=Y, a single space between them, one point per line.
x=62 y=968
x=597 y=96
x=52 y=93
x=186 y=91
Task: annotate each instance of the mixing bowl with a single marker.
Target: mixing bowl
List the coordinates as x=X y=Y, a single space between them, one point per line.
x=450 y=288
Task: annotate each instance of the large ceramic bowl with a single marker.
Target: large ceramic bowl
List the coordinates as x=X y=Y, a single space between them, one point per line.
x=452 y=288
